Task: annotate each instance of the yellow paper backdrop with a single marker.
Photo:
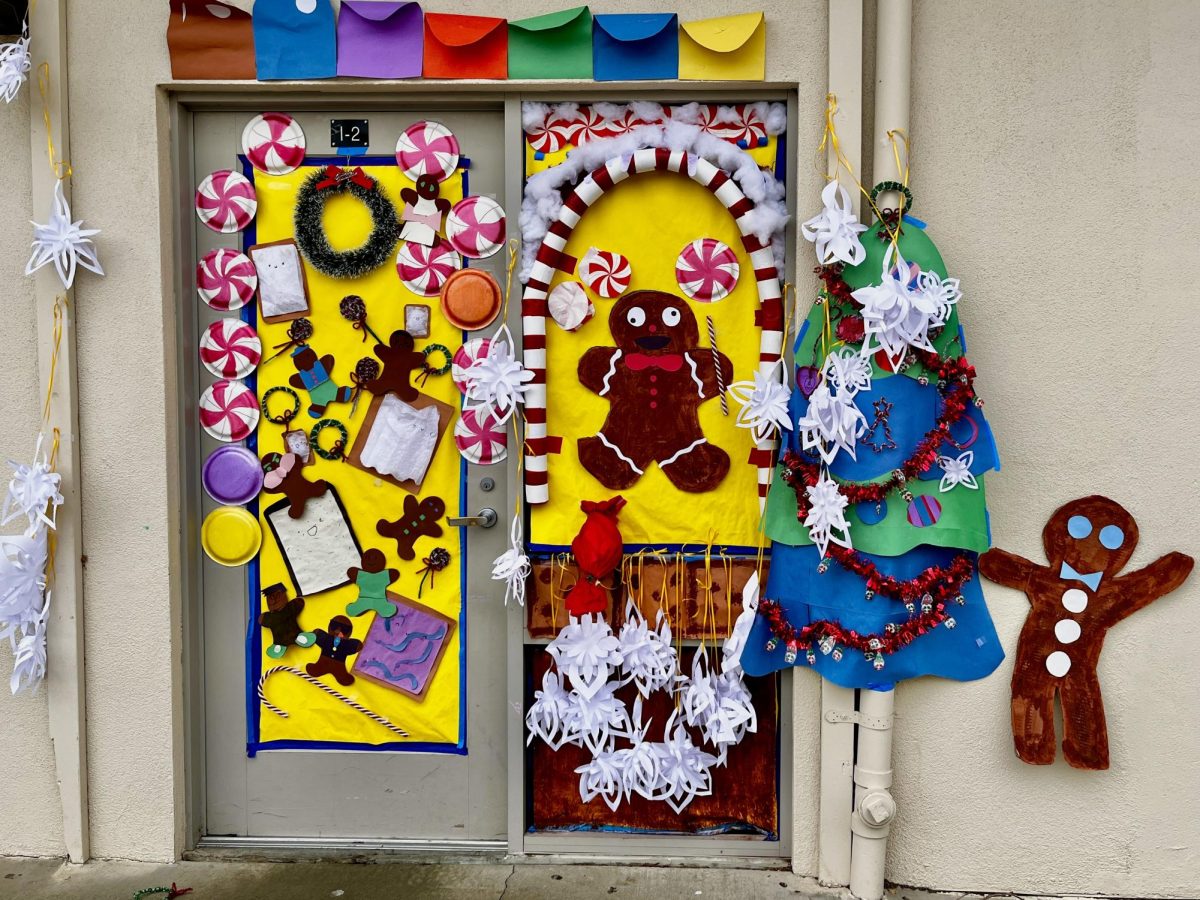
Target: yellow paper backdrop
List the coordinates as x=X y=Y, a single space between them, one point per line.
x=313 y=715
x=650 y=218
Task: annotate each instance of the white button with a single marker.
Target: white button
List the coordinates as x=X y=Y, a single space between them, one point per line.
x=1058 y=664
x=1074 y=600
x=1067 y=631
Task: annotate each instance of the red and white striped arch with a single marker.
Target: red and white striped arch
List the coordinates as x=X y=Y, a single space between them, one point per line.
x=551 y=257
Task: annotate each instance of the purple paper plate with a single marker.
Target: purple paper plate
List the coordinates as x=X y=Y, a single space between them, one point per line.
x=232 y=475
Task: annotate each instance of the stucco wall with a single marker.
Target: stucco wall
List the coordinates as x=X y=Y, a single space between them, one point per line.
x=1050 y=159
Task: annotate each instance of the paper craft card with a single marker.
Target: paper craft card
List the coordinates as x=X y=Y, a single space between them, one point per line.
x=403 y=652
x=465 y=47
x=282 y=284
x=209 y=40
x=635 y=47
x=318 y=547
x=556 y=45
x=397 y=440
x=294 y=39
x=379 y=39
x=730 y=48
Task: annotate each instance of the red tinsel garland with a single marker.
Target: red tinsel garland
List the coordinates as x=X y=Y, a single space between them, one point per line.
x=936 y=584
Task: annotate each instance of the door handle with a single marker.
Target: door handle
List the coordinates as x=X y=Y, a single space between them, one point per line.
x=486 y=518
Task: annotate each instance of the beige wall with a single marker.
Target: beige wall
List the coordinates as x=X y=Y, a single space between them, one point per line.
x=1051 y=152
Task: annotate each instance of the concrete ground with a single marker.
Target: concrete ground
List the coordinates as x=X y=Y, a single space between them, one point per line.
x=47 y=879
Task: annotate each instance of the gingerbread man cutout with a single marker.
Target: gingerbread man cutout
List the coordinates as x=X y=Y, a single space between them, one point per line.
x=313 y=375
x=1074 y=601
x=655 y=378
x=423 y=211
x=419 y=520
x=284 y=474
x=399 y=361
x=372 y=578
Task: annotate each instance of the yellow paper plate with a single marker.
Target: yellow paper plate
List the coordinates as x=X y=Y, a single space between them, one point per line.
x=231 y=536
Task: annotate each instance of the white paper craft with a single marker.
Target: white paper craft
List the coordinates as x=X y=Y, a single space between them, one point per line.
x=647 y=657
x=497 y=380
x=586 y=652
x=957 y=471
x=319 y=546
x=826 y=519
x=831 y=423
x=764 y=404
x=62 y=241
x=835 y=229
x=598 y=719
x=512 y=566
x=281 y=287
x=735 y=644
x=847 y=371
x=15 y=64
x=601 y=777
x=685 y=767
x=547 y=715
x=401 y=440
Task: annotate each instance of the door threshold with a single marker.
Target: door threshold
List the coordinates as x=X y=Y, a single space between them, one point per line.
x=307 y=849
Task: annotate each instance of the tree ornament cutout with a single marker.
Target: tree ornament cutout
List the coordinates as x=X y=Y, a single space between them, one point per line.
x=873 y=437
x=835 y=230
x=1074 y=600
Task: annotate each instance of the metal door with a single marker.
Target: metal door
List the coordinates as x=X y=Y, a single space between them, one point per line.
x=430 y=798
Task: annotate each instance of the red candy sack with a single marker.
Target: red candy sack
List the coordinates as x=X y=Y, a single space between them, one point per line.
x=597 y=550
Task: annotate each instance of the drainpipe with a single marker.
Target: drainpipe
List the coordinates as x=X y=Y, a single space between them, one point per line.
x=874 y=807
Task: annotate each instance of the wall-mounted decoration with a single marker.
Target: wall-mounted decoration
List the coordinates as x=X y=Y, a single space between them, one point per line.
x=282 y=282
x=1074 y=601
x=318 y=547
x=294 y=39
x=274 y=143
x=230 y=536
x=402 y=652
x=226 y=201
x=210 y=40
x=379 y=39
x=465 y=46
x=228 y=411
x=635 y=47
x=397 y=439
x=226 y=279
x=730 y=48
x=554 y=45
x=230 y=348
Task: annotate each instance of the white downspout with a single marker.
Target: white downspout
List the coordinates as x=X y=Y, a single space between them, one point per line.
x=874 y=808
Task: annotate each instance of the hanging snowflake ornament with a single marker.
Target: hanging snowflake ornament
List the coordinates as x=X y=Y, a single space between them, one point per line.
x=826 y=517
x=647 y=657
x=22 y=581
x=33 y=492
x=597 y=719
x=63 y=242
x=848 y=371
x=586 y=652
x=734 y=714
x=601 y=777
x=957 y=471
x=836 y=228
x=639 y=763
x=685 y=767
x=497 y=381
x=547 y=715
x=15 y=64
x=512 y=566
x=899 y=312
x=764 y=404
x=735 y=644
x=29 y=653
x=831 y=423
x=699 y=695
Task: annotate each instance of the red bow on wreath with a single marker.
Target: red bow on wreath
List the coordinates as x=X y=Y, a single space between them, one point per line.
x=335 y=176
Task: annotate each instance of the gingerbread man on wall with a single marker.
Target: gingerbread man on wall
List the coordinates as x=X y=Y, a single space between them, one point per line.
x=655 y=377
x=1074 y=601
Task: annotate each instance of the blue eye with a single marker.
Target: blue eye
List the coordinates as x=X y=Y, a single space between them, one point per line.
x=1080 y=527
x=1112 y=537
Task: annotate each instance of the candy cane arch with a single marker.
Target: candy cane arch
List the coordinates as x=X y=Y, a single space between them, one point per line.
x=551 y=257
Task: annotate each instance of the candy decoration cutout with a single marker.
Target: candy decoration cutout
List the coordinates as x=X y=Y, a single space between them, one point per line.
x=707 y=270
x=549 y=138
x=479 y=439
x=274 y=143
x=608 y=274
x=570 y=306
x=228 y=411
x=464 y=358
x=475 y=227
x=429 y=149
x=924 y=511
x=226 y=279
x=226 y=201
x=230 y=348
x=425 y=269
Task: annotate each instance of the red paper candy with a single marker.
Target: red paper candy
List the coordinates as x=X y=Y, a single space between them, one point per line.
x=597 y=550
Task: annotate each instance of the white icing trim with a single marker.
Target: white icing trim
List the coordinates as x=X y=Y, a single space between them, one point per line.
x=695 y=375
x=617 y=450
x=688 y=449
x=612 y=370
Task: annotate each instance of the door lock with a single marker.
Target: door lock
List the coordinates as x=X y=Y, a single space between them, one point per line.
x=486 y=518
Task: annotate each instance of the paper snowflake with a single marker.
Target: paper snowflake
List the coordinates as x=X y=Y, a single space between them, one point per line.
x=957 y=471
x=835 y=229
x=647 y=657
x=63 y=242
x=33 y=492
x=764 y=405
x=831 y=423
x=598 y=718
x=685 y=767
x=602 y=777
x=586 y=652
x=848 y=371
x=547 y=715
x=29 y=654
x=512 y=566
x=735 y=644
x=497 y=381
x=22 y=580
x=14 y=66
x=826 y=518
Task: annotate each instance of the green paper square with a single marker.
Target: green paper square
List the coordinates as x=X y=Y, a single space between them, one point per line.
x=556 y=45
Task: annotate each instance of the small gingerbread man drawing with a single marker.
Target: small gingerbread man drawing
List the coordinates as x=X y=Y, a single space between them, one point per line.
x=655 y=378
x=419 y=520
x=399 y=361
x=423 y=211
x=1074 y=601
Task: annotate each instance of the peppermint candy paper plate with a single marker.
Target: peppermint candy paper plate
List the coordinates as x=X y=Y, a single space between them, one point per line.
x=475 y=227
x=479 y=438
x=707 y=270
x=607 y=274
x=427 y=148
x=228 y=411
x=230 y=348
x=226 y=279
x=425 y=269
x=476 y=348
x=274 y=143
x=226 y=201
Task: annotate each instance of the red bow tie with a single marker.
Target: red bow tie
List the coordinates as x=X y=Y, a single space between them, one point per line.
x=672 y=362
x=335 y=176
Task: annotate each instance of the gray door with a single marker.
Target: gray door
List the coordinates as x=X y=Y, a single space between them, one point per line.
x=454 y=791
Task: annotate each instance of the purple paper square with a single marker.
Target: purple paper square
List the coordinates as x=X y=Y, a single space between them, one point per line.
x=380 y=39
x=403 y=651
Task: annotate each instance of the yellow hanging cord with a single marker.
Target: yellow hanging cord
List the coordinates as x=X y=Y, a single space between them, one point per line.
x=58 y=332
x=513 y=246
x=830 y=139
x=61 y=168
x=52 y=533
x=727 y=565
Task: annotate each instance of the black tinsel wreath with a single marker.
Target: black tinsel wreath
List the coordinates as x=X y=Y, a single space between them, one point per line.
x=310 y=232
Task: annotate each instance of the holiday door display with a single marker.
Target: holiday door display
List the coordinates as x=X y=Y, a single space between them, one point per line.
x=1074 y=601
x=877 y=516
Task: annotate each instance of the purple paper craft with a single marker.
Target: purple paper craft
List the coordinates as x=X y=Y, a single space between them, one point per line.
x=403 y=652
x=380 y=39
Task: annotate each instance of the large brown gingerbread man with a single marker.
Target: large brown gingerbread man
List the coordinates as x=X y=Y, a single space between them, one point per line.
x=1074 y=601
x=655 y=377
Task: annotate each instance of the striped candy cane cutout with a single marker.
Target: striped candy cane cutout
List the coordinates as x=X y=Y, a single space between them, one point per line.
x=354 y=705
x=551 y=257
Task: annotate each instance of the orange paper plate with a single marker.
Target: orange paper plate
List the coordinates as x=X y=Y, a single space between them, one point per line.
x=471 y=299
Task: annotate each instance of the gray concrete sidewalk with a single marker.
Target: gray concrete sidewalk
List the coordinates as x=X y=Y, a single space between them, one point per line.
x=46 y=879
